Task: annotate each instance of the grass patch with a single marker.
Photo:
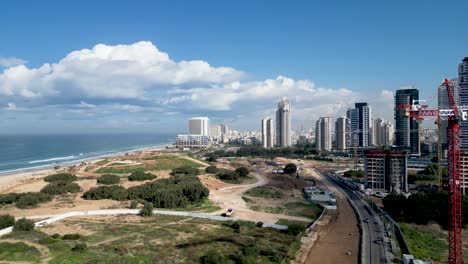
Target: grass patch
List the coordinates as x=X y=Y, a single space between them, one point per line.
x=126 y=169
x=304 y=209
x=287 y=222
x=168 y=239
x=18 y=252
x=265 y=192
x=206 y=206
x=171 y=162
x=425 y=243
x=102 y=162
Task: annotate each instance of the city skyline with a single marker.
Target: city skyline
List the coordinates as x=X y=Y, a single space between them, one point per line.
x=70 y=79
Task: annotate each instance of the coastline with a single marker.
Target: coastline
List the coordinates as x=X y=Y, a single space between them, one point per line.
x=15 y=179
x=50 y=166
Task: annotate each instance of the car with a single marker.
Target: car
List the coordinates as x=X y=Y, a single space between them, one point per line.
x=229 y=212
x=378 y=241
x=367 y=220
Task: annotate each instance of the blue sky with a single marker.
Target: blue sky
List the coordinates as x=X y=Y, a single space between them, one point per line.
x=344 y=51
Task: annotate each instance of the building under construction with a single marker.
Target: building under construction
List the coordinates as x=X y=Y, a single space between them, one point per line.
x=386 y=170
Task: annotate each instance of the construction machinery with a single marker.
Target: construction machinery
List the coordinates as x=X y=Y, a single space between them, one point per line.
x=453 y=115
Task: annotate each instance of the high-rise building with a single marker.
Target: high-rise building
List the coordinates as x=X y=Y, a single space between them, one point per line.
x=324 y=126
x=383 y=132
x=360 y=118
x=353 y=116
x=283 y=123
x=407 y=128
x=267 y=132
x=318 y=135
x=443 y=103
x=386 y=170
x=463 y=85
x=199 y=126
x=215 y=131
x=224 y=129
x=342 y=133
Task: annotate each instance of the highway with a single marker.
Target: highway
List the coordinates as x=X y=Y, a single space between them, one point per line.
x=372 y=226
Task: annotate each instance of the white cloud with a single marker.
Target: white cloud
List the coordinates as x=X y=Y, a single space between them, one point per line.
x=9 y=62
x=11 y=107
x=122 y=71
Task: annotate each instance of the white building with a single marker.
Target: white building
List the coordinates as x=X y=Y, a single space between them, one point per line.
x=283 y=123
x=324 y=136
x=342 y=133
x=267 y=132
x=215 y=131
x=199 y=126
x=382 y=132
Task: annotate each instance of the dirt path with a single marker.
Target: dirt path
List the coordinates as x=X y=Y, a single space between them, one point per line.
x=231 y=197
x=341 y=235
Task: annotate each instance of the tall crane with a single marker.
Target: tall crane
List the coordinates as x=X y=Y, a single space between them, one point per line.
x=454 y=115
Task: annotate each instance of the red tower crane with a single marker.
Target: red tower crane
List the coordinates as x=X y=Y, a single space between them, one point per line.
x=454 y=114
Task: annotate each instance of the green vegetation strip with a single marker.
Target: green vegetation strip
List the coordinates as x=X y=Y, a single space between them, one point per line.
x=425 y=243
x=266 y=192
x=18 y=252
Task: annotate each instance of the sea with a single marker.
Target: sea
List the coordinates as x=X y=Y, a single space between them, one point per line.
x=28 y=152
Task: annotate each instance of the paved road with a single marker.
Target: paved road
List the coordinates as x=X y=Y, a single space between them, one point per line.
x=372 y=231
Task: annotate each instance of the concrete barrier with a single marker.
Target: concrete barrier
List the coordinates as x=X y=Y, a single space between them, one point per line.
x=56 y=218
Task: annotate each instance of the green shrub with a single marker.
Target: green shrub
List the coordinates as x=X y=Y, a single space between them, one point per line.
x=242 y=172
x=55 y=236
x=228 y=175
x=295 y=229
x=60 y=177
x=147 y=209
x=9 y=198
x=212 y=257
x=235 y=226
x=27 y=200
x=141 y=176
x=108 y=179
x=71 y=237
x=113 y=192
x=185 y=170
x=23 y=224
x=134 y=204
x=80 y=247
x=290 y=168
x=211 y=170
x=259 y=224
x=60 y=187
x=6 y=221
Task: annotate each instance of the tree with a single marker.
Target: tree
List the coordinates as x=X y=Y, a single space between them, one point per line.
x=133 y=204
x=211 y=170
x=60 y=177
x=61 y=187
x=23 y=224
x=228 y=175
x=114 y=192
x=185 y=170
x=80 y=247
x=290 y=168
x=242 y=172
x=6 y=221
x=434 y=159
x=147 y=209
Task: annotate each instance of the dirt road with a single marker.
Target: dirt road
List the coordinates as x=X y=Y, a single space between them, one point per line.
x=339 y=236
x=231 y=197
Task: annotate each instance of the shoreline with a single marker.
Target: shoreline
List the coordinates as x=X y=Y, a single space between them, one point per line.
x=48 y=167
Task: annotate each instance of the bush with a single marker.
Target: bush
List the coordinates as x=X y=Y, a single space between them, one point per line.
x=80 y=247
x=235 y=226
x=71 y=236
x=108 y=179
x=212 y=257
x=31 y=199
x=228 y=175
x=6 y=221
x=259 y=224
x=61 y=177
x=185 y=170
x=55 y=236
x=9 y=198
x=211 y=170
x=60 y=187
x=290 y=168
x=147 y=209
x=295 y=229
x=242 y=172
x=23 y=224
x=134 y=204
x=141 y=176
x=113 y=192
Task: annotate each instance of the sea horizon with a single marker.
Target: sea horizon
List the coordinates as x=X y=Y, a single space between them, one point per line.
x=29 y=152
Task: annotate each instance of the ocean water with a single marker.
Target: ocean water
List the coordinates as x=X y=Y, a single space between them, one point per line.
x=26 y=152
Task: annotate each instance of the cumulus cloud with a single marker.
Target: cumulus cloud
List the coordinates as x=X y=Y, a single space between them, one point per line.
x=122 y=72
x=9 y=62
x=139 y=78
